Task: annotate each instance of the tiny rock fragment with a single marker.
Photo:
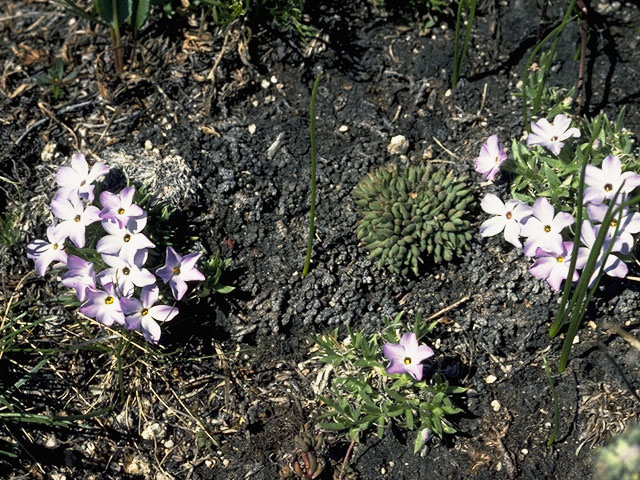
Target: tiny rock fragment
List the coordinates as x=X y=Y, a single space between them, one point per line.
x=576 y=339
x=398 y=145
x=148 y=145
x=252 y=128
x=265 y=83
x=495 y=404
x=490 y=379
x=524 y=451
x=343 y=128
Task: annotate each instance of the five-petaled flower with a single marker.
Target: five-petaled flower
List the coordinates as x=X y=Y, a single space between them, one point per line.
x=119 y=208
x=178 y=270
x=553 y=266
x=103 y=305
x=123 y=242
x=543 y=229
x=144 y=315
x=491 y=156
x=623 y=226
x=507 y=218
x=613 y=265
x=79 y=177
x=81 y=275
x=552 y=136
x=74 y=215
x=43 y=252
x=406 y=356
x=124 y=275
x=603 y=183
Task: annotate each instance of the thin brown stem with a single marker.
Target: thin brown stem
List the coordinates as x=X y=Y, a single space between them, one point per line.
x=346 y=459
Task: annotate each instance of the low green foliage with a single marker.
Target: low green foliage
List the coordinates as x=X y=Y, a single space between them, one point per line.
x=55 y=79
x=409 y=210
x=620 y=460
x=363 y=397
x=539 y=173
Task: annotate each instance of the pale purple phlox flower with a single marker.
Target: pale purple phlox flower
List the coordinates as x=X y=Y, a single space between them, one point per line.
x=124 y=275
x=613 y=266
x=554 y=266
x=44 y=252
x=143 y=314
x=123 y=242
x=552 y=136
x=79 y=177
x=544 y=229
x=103 y=305
x=627 y=225
x=80 y=277
x=178 y=270
x=603 y=183
x=74 y=216
x=119 y=208
x=406 y=356
x=491 y=156
x=508 y=218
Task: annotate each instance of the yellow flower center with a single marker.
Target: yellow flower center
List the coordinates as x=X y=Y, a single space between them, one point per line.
x=497 y=160
x=144 y=311
x=126 y=270
x=120 y=211
x=127 y=237
x=407 y=361
x=608 y=187
x=83 y=183
x=176 y=270
x=508 y=215
x=559 y=259
x=108 y=300
x=78 y=218
x=547 y=228
x=614 y=223
x=55 y=246
x=554 y=138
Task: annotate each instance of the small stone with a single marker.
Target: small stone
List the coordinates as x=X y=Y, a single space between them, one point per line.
x=225 y=462
x=153 y=430
x=52 y=442
x=524 y=451
x=490 y=379
x=383 y=471
x=148 y=145
x=169 y=444
x=495 y=404
x=274 y=79
x=576 y=339
x=252 y=128
x=398 y=145
x=343 y=128
x=265 y=83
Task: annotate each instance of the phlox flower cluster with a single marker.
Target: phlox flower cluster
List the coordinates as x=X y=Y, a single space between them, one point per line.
x=545 y=232
x=119 y=290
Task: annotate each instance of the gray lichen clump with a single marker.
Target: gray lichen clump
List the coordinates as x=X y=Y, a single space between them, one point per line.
x=409 y=210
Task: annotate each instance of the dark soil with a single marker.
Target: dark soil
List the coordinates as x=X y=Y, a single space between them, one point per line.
x=219 y=120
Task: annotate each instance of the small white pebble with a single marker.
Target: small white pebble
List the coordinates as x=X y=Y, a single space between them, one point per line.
x=447 y=93
x=52 y=442
x=225 y=462
x=148 y=145
x=490 y=379
x=343 y=128
x=265 y=83
x=576 y=339
x=255 y=103
x=383 y=471
x=274 y=79
x=398 y=145
x=524 y=451
x=169 y=444
x=495 y=405
x=252 y=128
